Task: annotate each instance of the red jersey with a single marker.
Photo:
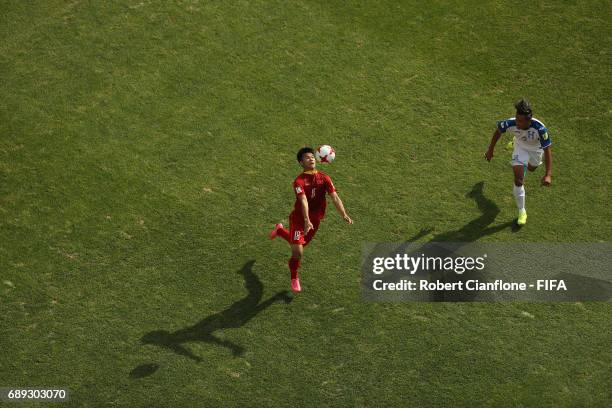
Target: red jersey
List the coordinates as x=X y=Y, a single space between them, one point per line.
x=314 y=184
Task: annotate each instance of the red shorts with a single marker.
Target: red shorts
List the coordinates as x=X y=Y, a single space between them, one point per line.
x=296 y=228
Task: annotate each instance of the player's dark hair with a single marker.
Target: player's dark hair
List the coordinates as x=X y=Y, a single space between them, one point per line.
x=523 y=107
x=303 y=151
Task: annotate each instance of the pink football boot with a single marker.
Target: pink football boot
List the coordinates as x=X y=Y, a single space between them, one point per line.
x=274 y=232
x=295 y=285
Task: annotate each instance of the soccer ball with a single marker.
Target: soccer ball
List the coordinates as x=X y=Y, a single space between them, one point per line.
x=325 y=154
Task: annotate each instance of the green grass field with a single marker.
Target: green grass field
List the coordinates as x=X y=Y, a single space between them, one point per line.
x=147 y=148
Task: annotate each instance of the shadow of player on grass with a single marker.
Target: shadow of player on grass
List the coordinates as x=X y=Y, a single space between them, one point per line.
x=470 y=232
x=478 y=227
x=238 y=314
x=473 y=230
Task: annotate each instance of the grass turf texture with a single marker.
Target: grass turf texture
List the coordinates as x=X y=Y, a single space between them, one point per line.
x=146 y=149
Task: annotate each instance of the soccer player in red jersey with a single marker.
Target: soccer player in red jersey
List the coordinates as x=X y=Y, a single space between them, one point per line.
x=310 y=189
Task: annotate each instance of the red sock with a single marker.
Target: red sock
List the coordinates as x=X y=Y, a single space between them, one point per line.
x=283 y=233
x=294 y=265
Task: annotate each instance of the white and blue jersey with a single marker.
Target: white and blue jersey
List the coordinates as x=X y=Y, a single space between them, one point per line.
x=534 y=138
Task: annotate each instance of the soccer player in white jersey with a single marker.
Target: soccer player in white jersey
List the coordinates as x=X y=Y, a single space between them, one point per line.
x=531 y=142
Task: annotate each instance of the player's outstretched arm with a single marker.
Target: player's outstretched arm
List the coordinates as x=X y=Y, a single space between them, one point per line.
x=307 y=224
x=494 y=139
x=547 y=179
x=340 y=207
